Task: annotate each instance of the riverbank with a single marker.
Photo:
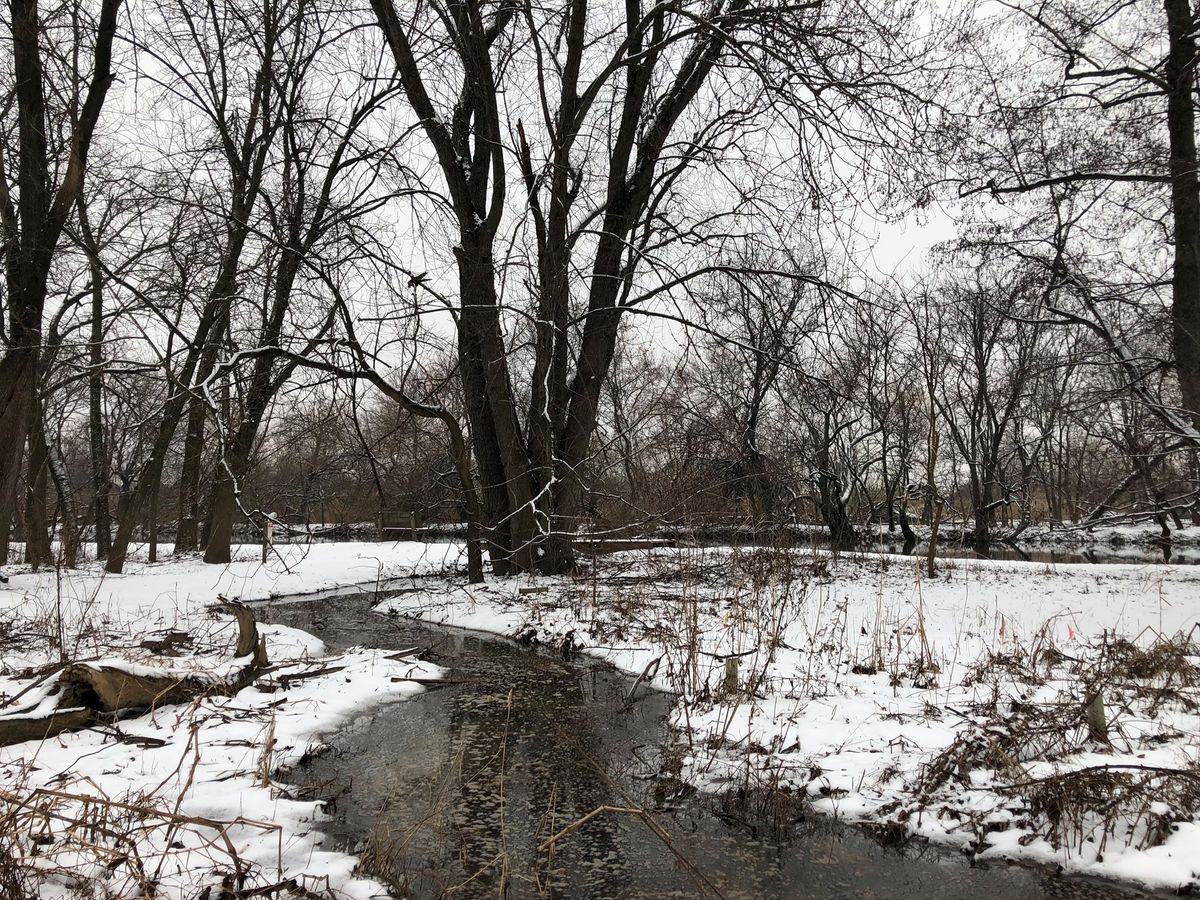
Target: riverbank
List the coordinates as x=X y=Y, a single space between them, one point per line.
x=494 y=785
x=956 y=708
x=190 y=797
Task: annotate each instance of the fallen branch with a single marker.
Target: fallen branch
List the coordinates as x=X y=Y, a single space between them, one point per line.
x=89 y=692
x=583 y=820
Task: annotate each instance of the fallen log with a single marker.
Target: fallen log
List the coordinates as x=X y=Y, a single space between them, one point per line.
x=18 y=729
x=90 y=692
x=107 y=688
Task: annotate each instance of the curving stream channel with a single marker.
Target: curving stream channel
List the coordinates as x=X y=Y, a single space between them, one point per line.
x=451 y=793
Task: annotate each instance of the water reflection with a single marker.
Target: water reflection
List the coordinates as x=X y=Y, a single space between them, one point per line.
x=1096 y=555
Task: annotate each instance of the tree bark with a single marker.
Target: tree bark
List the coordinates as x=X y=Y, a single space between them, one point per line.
x=187 y=529
x=1180 y=75
x=17 y=384
x=188 y=537
x=495 y=433
x=34 y=223
x=222 y=502
x=37 y=525
x=101 y=474
x=68 y=530
x=842 y=535
x=152 y=524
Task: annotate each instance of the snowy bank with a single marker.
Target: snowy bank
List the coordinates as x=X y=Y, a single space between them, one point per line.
x=960 y=708
x=188 y=798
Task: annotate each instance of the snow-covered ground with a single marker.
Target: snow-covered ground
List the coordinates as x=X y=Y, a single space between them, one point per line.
x=187 y=797
x=1140 y=533
x=953 y=708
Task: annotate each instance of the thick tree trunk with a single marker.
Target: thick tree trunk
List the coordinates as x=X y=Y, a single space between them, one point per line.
x=1185 y=200
x=234 y=465
x=982 y=537
x=462 y=464
x=832 y=506
x=17 y=385
x=222 y=509
x=500 y=453
x=187 y=529
x=906 y=529
x=188 y=537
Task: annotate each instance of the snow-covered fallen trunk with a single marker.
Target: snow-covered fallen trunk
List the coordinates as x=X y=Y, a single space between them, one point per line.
x=193 y=797
x=80 y=694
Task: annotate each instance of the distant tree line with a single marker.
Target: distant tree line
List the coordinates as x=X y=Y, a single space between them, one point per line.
x=543 y=269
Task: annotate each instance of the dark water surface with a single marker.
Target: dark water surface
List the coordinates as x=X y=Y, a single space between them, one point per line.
x=451 y=793
x=1050 y=554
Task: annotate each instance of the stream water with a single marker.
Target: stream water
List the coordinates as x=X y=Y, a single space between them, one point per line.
x=1049 y=554
x=452 y=793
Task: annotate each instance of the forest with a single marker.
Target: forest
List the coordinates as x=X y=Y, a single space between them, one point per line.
x=767 y=352
x=287 y=261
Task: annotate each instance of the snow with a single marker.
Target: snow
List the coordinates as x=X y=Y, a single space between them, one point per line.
x=196 y=793
x=853 y=675
x=1138 y=533
x=851 y=680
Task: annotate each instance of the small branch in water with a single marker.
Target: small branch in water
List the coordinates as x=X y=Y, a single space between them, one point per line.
x=647 y=673
x=545 y=845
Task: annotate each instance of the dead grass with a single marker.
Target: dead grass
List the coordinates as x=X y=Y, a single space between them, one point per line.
x=1030 y=752
x=1137 y=807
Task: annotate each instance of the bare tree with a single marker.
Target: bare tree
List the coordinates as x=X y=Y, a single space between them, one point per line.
x=33 y=212
x=618 y=119
x=1047 y=129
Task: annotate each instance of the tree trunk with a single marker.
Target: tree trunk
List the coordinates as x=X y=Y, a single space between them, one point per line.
x=906 y=529
x=933 y=502
x=152 y=524
x=37 y=532
x=889 y=491
x=69 y=528
x=101 y=475
x=187 y=529
x=134 y=496
x=1180 y=75
x=17 y=370
x=188 y=537
x=222 y=508
x=101 y=478
x=982 y=537
x=500 y=453
x=832 y=507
